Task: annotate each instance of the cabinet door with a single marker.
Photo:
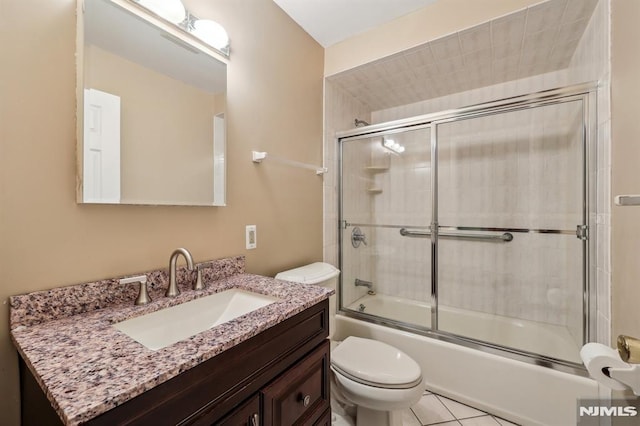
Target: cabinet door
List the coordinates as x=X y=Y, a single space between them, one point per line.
x=247 y=414
x=300 y=395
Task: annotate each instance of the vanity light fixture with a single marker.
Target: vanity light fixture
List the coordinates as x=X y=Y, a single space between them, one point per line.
x=392 y=145
x=211 y=33
x=206 y=30
x=171 y=10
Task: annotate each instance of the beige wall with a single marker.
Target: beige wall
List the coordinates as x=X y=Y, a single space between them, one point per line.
x=47 y=240
x=625 y=152
x=429 y=23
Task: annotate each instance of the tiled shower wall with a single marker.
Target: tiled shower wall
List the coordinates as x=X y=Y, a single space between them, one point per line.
x=590 y=63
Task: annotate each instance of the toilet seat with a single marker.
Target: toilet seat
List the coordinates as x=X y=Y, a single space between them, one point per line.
x=373 y=363
x=375 y=398
x=410 y=385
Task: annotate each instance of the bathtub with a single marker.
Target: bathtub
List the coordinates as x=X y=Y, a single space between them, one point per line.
x=532 y=336
x=524 y=393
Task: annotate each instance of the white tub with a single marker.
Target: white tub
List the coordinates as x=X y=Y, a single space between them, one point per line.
x=532 y=336
x=524 y=393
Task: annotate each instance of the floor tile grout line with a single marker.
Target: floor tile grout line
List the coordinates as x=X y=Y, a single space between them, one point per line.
x=475 y=417
x=445 y=406
x=415 y=415
x=442 y=423
x=466 y=405
x=428 y=392
x=437 y=423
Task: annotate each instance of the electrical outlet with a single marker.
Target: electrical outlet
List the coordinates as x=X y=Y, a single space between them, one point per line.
x=251 y=237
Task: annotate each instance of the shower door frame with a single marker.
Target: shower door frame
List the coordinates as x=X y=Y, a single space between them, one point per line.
x=586 y=94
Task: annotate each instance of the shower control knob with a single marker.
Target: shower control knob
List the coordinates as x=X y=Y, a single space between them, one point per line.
x=357 y=237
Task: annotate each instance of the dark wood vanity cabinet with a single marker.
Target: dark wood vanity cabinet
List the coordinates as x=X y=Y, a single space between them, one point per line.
x=278 y=377
x=300 y=396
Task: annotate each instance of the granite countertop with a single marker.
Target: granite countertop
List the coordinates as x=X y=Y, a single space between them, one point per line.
x=87 y=367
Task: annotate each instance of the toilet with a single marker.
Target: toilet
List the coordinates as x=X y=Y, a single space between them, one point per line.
x=378 y=379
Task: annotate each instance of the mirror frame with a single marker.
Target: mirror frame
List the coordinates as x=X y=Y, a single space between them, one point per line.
x=219 y=199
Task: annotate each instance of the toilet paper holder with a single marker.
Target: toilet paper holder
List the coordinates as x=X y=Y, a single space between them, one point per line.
x=617 y=370
x=629 y=351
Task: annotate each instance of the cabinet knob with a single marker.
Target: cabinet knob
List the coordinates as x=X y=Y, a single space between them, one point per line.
x=254 y=420
x=305 y=399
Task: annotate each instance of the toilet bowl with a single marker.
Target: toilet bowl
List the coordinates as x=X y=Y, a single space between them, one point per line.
x=379 y=380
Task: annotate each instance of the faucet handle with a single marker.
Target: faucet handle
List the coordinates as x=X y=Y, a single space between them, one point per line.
x=143 y=296
x=199 y=285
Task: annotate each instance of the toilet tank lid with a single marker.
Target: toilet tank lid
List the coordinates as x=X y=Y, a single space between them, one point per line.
x=313 y=273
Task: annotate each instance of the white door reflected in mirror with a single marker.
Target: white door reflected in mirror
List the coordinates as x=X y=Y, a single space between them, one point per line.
x=101 y=173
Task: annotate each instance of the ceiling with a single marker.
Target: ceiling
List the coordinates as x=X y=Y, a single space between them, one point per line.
x=535 y=40
x=331 y=21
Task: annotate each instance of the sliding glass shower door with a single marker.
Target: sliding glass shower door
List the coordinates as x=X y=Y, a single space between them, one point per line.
x=386 y=187
x=511 y=193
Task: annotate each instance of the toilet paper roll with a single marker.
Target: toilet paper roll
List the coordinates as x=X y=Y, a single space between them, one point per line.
x=596 y=358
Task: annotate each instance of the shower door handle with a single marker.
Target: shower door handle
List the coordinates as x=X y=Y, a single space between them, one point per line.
x=505 y=237
x=414 y=234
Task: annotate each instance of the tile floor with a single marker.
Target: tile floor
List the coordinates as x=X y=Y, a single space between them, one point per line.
x=433 y=409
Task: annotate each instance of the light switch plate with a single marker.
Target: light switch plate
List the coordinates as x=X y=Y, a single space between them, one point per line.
x=251 y=237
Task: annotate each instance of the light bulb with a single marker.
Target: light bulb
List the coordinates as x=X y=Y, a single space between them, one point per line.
x=392 y=145
x=211 y=33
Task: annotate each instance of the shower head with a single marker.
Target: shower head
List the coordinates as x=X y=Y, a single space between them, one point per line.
x=360 y=123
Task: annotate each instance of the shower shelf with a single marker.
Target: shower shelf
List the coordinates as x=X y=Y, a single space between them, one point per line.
x=374 y=191
x=376 y=169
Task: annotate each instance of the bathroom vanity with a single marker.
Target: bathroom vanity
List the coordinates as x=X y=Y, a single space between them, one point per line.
x=268 y=367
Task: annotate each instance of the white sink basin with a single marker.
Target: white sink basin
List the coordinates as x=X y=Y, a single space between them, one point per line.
x=168 y=326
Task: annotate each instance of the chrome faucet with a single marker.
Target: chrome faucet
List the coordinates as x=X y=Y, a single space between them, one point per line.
x=363 y=283
x=173 y=289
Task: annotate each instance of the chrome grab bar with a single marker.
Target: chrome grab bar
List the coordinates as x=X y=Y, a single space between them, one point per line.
x=505 y=237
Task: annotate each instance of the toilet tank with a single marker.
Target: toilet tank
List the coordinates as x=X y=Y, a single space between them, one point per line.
x=318 y=273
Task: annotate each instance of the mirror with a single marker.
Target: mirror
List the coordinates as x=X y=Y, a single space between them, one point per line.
x=151 y=110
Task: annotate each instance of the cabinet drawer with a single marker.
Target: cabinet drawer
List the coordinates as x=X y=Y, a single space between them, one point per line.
x=246 y=414
x=325 y=419
x=300 y=395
